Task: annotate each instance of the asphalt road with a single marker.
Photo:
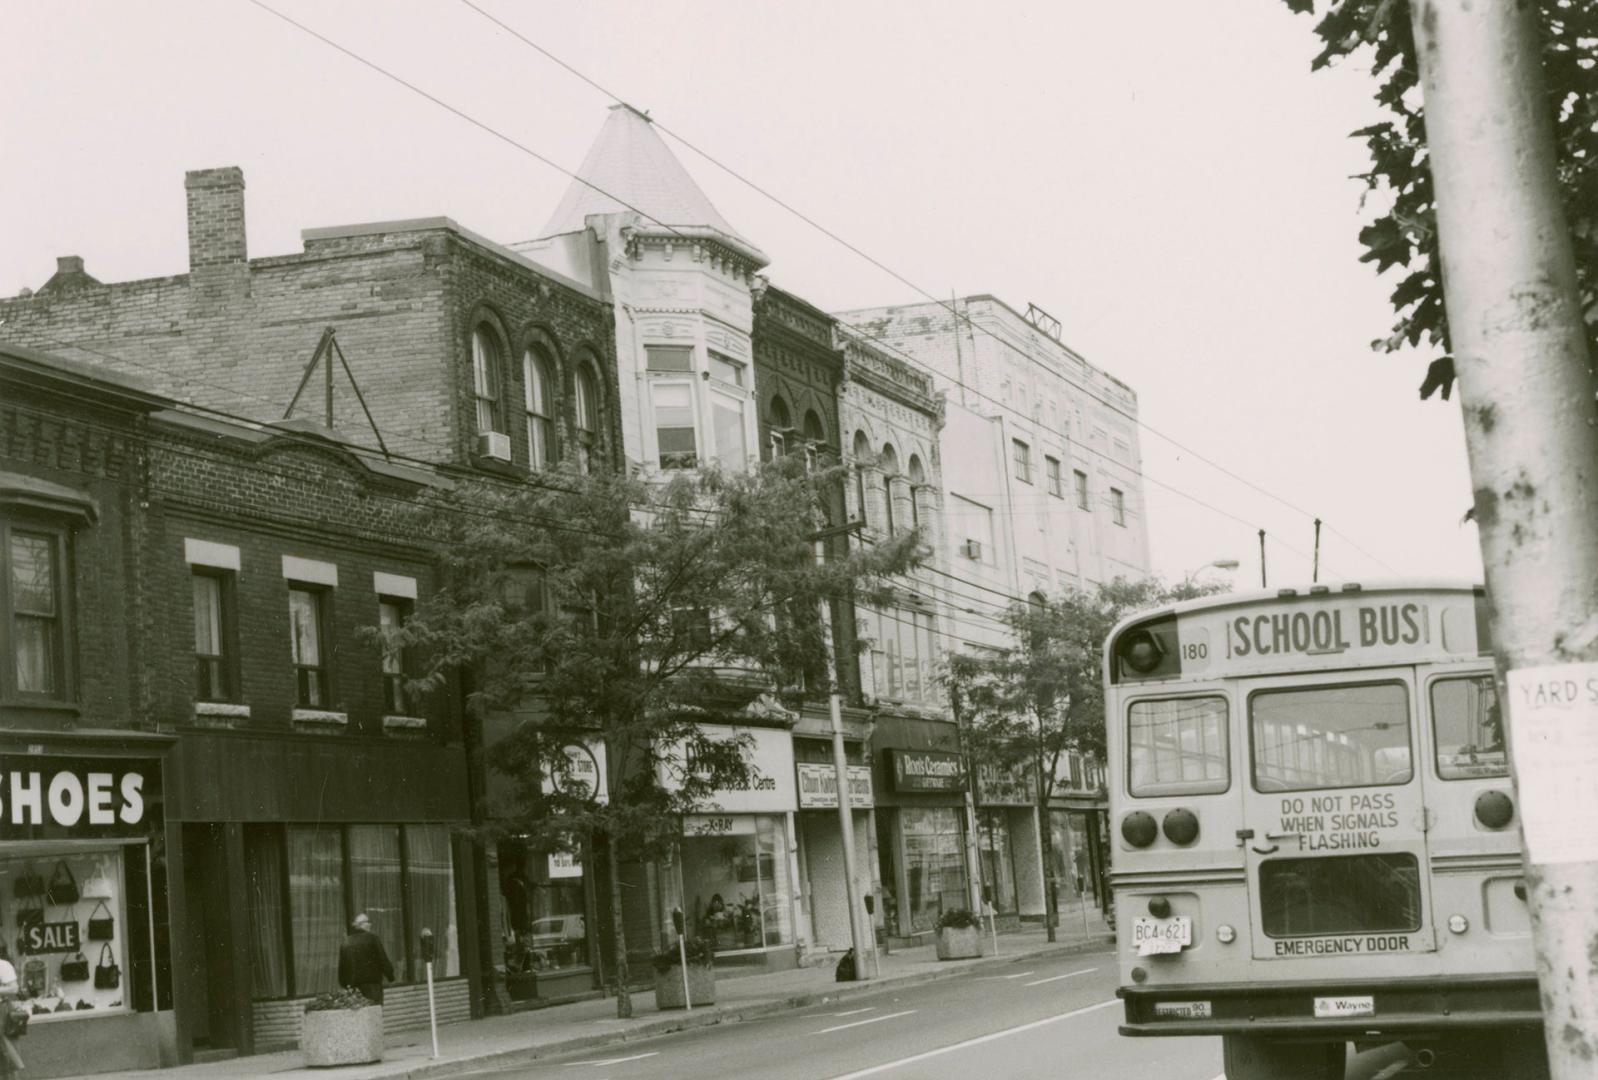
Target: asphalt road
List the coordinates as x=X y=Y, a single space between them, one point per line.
x=1053 y=1018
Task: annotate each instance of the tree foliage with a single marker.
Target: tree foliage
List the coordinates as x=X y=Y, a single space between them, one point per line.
x=1401 y=234
x=1023 y=709
x=607 y=609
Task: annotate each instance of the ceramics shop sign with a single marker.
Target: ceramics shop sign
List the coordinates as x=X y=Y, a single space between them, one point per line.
x=926 y=770
x=43 y=797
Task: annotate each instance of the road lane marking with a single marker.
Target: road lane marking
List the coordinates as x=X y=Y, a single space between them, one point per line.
x=1017 y=975
x=1067 y=975
x=860 y=1023
x=615 y=1061
x=1006 y=1033
x=856 y=1012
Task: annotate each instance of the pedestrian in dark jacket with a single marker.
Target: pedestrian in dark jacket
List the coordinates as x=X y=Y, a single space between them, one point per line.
x=362 y=961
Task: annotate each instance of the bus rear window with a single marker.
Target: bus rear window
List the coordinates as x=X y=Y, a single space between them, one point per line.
x=1330 y=736
x=1468 y=728
x=1348 y=894
x=1178 y=746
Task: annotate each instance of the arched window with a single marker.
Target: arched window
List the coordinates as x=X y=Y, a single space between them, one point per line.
x=890 y=472
x=918 y=480
x=486 y=378
x=538 y=380
x=781 y=424
x=815 y=431
x=585 y=411
x=862 y=454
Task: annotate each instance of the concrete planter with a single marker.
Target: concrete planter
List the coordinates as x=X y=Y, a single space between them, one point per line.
x=343 y=1036
x=959 y=943
x=701 y=985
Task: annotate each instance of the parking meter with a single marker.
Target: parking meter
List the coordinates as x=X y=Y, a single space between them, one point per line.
x=428 y=948
x=428 y=952
x=871 y=903
x=676 y=920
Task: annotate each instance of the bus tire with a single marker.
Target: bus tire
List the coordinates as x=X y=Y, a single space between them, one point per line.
x=1249 y=1057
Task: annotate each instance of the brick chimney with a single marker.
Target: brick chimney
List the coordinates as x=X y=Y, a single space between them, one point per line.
x=216 y=217
x=69 y=276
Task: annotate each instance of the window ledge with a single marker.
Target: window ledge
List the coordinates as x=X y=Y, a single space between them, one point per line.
x=320 y=720
x=404 y=725
x=223 y=714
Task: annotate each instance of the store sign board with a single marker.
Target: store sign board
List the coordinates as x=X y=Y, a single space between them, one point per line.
x=565 y=864
x=584 y=775
x=43 y=797
x=50 y=937
x=818 y=786
x=1016 y=786
x=926 y=770
x=770 y=788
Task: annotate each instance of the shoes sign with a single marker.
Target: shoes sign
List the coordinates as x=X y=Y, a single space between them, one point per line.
x=45 y=797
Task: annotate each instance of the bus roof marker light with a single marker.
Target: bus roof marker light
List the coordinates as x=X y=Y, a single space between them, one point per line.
x=1285 y=594
x=1138 y=829
x=1181 y=826
x=1351 y=586
x=1319 y=590
x=1458 y=924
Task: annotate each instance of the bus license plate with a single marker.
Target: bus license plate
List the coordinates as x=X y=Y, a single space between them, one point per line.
x=1333 y=1008
x=1154 y=936
x=1183 y=1010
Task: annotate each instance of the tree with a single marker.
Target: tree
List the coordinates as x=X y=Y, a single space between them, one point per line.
x=1021 y=710
x=1402 y=232
x=606 y=609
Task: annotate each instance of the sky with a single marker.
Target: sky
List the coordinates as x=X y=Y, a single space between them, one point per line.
x=1166 y=178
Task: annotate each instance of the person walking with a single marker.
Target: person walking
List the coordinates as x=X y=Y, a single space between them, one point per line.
x=10 y=1059
x=363 y=963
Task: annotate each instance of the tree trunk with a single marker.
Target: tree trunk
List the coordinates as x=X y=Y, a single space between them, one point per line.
x=618 y=934
x=1527 y=393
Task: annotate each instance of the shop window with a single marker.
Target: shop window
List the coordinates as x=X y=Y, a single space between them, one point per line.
x=38 y=609
x=486 y=379
x=66 y=915
x=391 y=615
x=430 y=874
x=544 y=928
x=537 y=390
x=308 y=643
x=735 y=883
x=996 y=859
x=305 y=885
x=377 y=889
x=934 y=866
x=214 y=678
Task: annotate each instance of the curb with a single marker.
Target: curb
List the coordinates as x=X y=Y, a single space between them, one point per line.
x=711 y=1017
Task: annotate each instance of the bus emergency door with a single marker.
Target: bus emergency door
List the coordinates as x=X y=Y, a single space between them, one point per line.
x=1334 y=819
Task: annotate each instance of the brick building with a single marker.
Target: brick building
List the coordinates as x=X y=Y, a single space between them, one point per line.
x=273 y=532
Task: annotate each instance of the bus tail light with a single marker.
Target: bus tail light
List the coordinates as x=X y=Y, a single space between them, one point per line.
x=1494 y=809
x=1159 y=907
x=1181 y=826
x=1225 y=934
x=1138 y=829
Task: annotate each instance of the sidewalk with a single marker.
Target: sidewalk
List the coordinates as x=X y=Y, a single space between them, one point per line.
x=505 y=1041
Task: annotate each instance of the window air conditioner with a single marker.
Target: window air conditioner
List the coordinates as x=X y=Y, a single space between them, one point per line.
x=972 y=549
x=494 y=444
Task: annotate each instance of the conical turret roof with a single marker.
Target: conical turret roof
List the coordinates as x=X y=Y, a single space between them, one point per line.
x=629 y=162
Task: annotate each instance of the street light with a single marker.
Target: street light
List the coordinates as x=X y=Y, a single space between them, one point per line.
x=1218 y=564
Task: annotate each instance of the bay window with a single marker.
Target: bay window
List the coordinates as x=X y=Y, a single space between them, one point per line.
x=674 y=425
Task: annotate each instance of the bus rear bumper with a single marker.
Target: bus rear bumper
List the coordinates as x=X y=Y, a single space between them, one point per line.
x=1399 y=1006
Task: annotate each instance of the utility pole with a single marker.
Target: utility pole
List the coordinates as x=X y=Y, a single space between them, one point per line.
x=858 y=928
x=1531 y=427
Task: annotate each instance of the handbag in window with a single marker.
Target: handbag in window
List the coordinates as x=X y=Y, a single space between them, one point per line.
x=107 y=976
x=63 y=887
x=101 y=927
x=75 y=968
x=16 y=1021
x=35 y=978
x=96 y=886
x=28 y=884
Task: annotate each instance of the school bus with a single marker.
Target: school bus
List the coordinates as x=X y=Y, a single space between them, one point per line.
x=1315 y=838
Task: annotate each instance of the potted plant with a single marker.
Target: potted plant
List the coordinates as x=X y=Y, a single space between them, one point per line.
x=701 y=975
x=959 y=935
x=749 y=920
x=521 y=972
x=342 y=1028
